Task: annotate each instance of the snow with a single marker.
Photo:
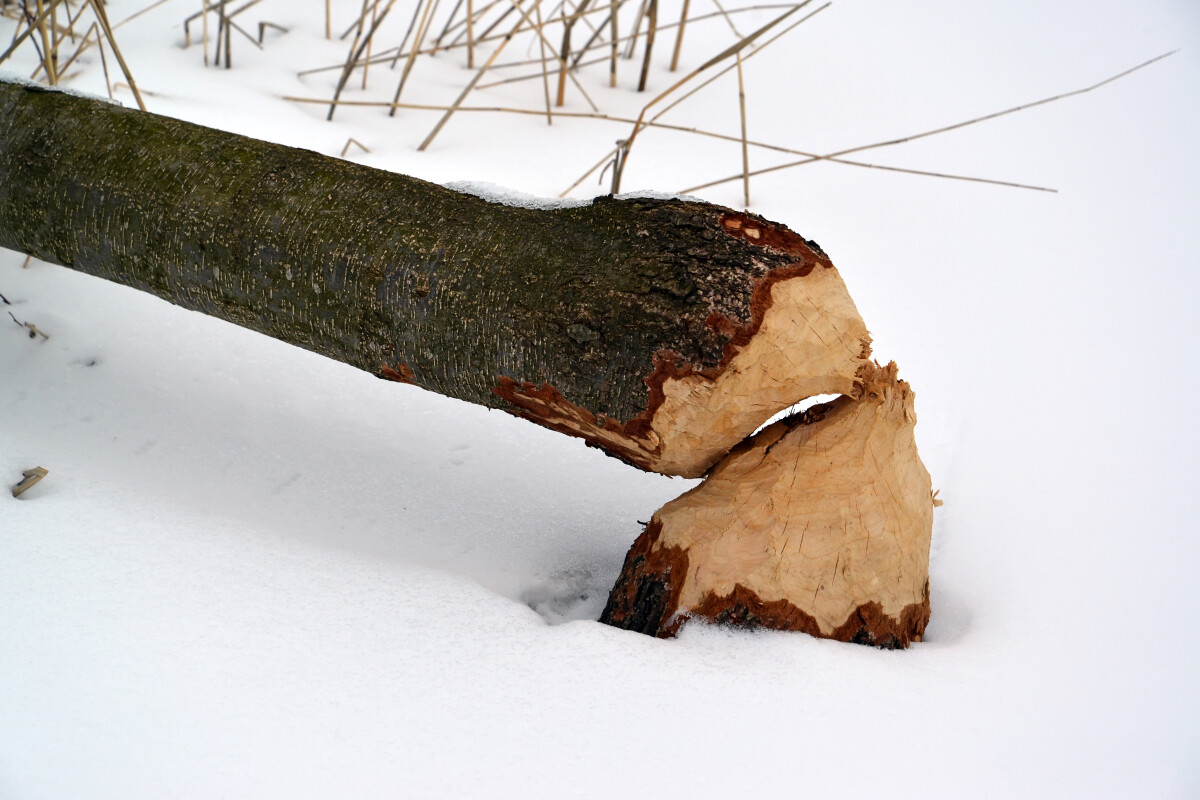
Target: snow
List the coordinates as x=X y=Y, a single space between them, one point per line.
x=12 y=77
x=511 y=197
x=255 y=572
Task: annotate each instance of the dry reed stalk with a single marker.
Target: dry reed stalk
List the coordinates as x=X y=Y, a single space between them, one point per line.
x=137 y=14
x=596 y=32
x=749 y=55
x=378 y=58
x=613 y=34
x=476 y=15
x=54 y=38
x=483 y=37
x=412 y=23
x=524 y=20
x=673 y=25
x=47 y=60
x=608 y=157
x=545 y=69
x=367 y=62
x=102 y=18
x=724 y=54
x=422 y=30
x=679 y=35
x=328 y=21
x=456 y=43
x=262 y=30
x=589 y=47
x=728 y=18
x=71 y=20
x=641 y=121
x=470 y=34
x=745 y=147
x=84 y=42
x=560 y=98
x=356 y=52
x=104 y=64
x=228 y=35
x=944 y=129
x=570 y=74
x=210 y=6
x=437 y=43
x=577 y=51
x=356 y=143
x=361 y=22
x=651 y=29
x=631 y=40
x=568 y=23
x=58 y=35
x=532 y=75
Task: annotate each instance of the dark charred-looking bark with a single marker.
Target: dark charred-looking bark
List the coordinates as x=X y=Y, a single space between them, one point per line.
x=592 y=306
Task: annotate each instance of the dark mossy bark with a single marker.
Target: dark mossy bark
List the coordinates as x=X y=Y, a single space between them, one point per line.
x=394 y=275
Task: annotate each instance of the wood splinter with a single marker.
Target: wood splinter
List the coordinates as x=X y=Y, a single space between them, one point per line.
x=820 y=523
x=30 y=477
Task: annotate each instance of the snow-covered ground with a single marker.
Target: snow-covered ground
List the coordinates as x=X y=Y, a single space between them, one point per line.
x=253 y=572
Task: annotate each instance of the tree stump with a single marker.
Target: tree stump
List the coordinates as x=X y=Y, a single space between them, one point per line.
x=820 y=523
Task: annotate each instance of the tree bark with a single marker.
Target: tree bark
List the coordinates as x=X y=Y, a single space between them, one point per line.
x=662 y=331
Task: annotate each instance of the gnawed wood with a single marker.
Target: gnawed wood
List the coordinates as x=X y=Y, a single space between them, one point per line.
x=803 y=325
x=820 y=523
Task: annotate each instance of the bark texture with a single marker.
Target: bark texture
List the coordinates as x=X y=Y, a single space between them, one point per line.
x=821 y=523
x=663 y=331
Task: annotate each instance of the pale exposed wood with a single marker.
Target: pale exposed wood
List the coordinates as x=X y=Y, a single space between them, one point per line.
x=812 y=333
x=30 y=477
x=821 y=523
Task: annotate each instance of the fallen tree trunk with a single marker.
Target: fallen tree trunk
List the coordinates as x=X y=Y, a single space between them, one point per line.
x=662 y=331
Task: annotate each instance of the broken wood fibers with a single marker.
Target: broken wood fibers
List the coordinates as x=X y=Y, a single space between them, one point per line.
x=820 y=523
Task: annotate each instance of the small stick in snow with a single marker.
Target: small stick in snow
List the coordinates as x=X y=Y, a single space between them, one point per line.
x=34 y=330
x=545 y=74
x=679 y=36
x=745 y=147
x=29 y=478
x=652 y=28
x=353 y=141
